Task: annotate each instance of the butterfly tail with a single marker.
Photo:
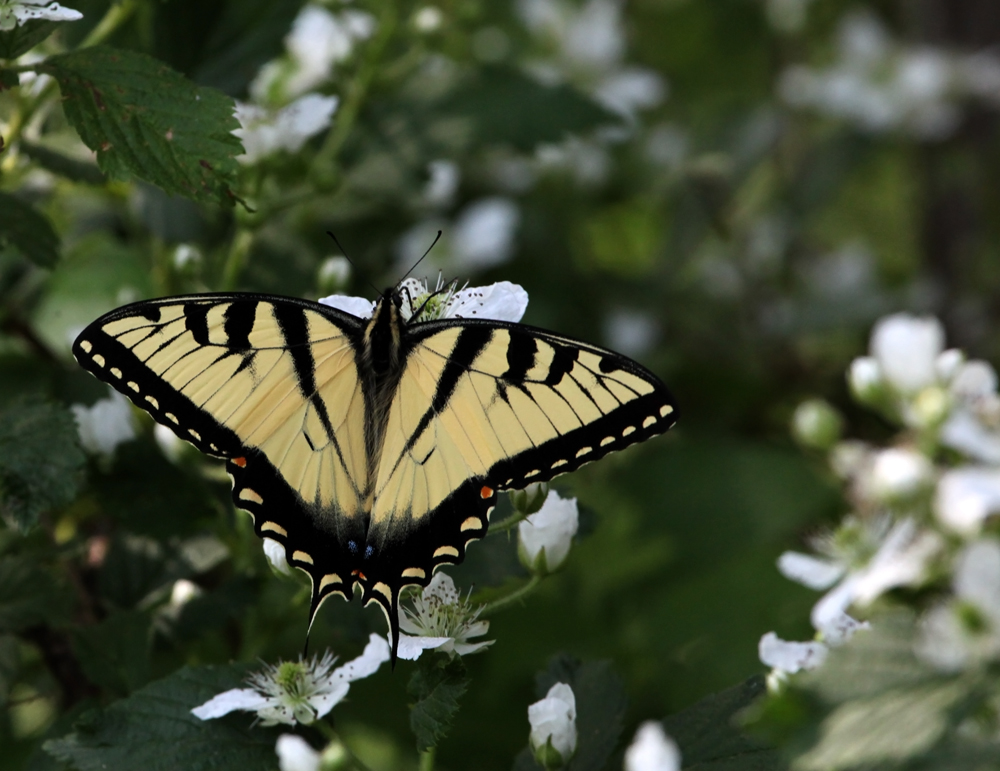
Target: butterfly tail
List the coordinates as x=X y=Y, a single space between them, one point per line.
x=388 y=600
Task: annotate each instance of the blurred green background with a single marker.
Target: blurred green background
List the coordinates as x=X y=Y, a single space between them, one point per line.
x=730 y=192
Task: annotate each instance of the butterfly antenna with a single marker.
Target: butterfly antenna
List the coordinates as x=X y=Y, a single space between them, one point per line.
x=436 y=239
x=353 y=265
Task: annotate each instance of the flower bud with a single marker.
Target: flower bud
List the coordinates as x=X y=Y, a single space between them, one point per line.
x=907 y=348
x=275 y=553
x=544 y=538
x=553 y=727
x=652 y=750
x=530 y=499
x=333 y=276
x=816 y=424
x=899 y=474
x=930 y=407
x=946 y=365
x=865 y=380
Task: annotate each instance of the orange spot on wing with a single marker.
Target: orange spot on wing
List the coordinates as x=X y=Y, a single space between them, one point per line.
x=486 y=492
x=241 y=462
x=359 y=574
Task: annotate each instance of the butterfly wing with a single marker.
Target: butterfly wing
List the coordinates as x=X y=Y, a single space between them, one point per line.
x=271 y=384
x=485 y=406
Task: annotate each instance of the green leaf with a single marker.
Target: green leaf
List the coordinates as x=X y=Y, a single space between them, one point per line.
x=143 y=118
x=39 y=461
x=10 y=663
x=437 y=685
x=154 y=730
x=31 y=233
x=57 y=163
x=24 y=37
x=509 y=107
x=115 y=653
x=600 y=707
x=8 y=80
x=887 y=728
x=29 y=595
x=709 y=739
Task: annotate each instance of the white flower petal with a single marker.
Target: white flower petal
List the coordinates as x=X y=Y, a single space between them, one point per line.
x=324 y=702
x=411 y=647
x=555 y=717
x=356 y=306
x=898 y=473
x=483 y=234
x=295 y=754
x=906 y=348
x=965 y=497
x=502 y=301
x=977 y=576
x=264 y=132
x=791 y=657
x=814 y=572
x=227 y=701
x=948 y=364
x=901 y=560
x=465 y=649
x=27 y=10
x=551 y=528
x=444 y=176
x=375 y=654
x=840 y=629
x=275 y=553
x=442 y=588
x=104 y=425
x=974 y=379
x=941 y=641
x=963 y=432
x=652 y=750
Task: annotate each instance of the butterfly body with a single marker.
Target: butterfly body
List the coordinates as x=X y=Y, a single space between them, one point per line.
x=371 y=449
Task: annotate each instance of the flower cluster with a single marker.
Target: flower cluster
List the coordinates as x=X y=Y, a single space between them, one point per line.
x=921 y=507
x=14 y=13
x=882 y=86
x=440 y=619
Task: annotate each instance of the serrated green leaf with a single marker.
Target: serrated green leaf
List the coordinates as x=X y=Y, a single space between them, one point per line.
x=437 y=685
x=63 y=165
x=24 y=37
x=115 y=653
x=709 y=738
x=506 y=106
x=29 y=595
x=600 y=707
x=143 y=118
x=28 y=231
x=887 y=728
x=154 y=730
x=39 y=461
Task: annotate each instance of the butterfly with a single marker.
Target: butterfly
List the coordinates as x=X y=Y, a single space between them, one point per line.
x=372 y=449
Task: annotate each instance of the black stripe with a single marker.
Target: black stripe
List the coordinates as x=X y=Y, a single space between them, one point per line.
x=295 y=330
x=239 y=324
x=562 y=363
x=196 y=321
x=520 y=357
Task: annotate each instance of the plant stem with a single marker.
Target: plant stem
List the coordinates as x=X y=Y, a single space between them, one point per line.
x=427 y=759
x=516 y=595
x=507 y=524
x=236 y=259
x=116 y=15
x=334 y=742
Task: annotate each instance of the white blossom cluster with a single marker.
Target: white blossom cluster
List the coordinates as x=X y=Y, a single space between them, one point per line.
x=921 y=508
x=286 y=109
x=881 y=85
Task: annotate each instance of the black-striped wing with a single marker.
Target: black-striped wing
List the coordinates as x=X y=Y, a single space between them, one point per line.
x=272 y=385
x=485 y=406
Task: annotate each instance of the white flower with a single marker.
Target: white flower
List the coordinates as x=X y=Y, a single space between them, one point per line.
x=544 y=538
x=104 y=425
x=334 y=273
x=948 y=363
x=553 y=726
x=966 y=630
x=297 y=691
x=295 y=754
x=440 y=620
x=965 y=497
x=502 y=301
x=652 y=750
x=907 y=348
x=265 y=132
x=791 y=657
x=630 y=90
x=815 y=423
x=898 y=474
x=868 y=559
x=275 y=553
x=962 y=431
x=865 y=378
x=442 y=184
x=14 y=14
x=483 y=234
x=787 y=15
x=428 y=19
x=633 y=332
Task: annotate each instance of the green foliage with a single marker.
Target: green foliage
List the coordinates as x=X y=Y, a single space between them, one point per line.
x=28 y=231
x=114 y=654
x=144 y=119
x=709 y=738
x=437 y=686
x=40 y=459
x=154 y=730
x=24 y=37
x=29 y=595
